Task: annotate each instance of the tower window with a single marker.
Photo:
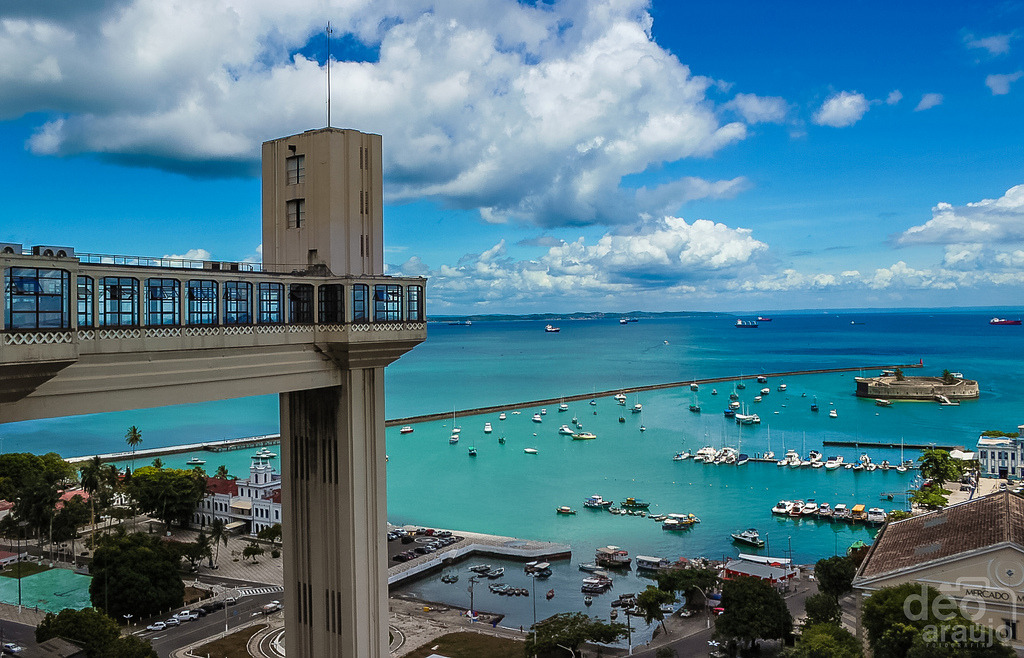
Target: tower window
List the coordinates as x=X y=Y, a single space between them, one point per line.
x=296 y=213
x=296 y=167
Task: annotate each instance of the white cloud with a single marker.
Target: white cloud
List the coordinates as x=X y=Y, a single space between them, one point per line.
x=527 y=112
x=191 y=254
x=759 y=109
x=987 y=222
x=842 y=110
x=999 y=83
x=894 y=97
x=998 y=44
x=928 y=101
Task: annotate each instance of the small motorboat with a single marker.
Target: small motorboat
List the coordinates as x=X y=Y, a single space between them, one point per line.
x=565 y=509
x=832 y=413
x=496 y=573
x=501 y=440
x=537 y=418
x=487 y=428
x=480 y=568
x=502 y=416
x=454 y=438
x=749 y=536
x=565 y=429
x=406 y=430
x=587 y=600
x=530 y=451
x=551 y=329
x=550 y=595
x=196 y=461
x=472 y=451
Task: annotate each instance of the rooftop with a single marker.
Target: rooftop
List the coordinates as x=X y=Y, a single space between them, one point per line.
x=956 y=530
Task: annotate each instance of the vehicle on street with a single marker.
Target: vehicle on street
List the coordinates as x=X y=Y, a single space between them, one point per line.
x=12 y=647
x=273 y=606
x=156 y=626
x=173 y=621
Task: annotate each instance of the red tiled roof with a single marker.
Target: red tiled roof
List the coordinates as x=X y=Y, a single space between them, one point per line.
x=958 y=529
x=221 y=486
x=6 y=505
x=275 y=496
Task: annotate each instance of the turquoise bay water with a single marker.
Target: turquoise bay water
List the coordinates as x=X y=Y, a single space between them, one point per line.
x=505 y=491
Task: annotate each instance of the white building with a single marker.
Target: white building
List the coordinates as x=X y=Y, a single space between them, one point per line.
x=246 y=506
x=1002 y=456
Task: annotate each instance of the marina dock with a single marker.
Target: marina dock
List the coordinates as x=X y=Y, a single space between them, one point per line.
x=883 y=444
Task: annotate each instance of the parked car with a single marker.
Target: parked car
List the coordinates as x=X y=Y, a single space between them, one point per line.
x=156 y=626
x=12 y=647
x=201 y=612
x=173 y=621
x=273 y=606
x=230 y=601
x=186 y=615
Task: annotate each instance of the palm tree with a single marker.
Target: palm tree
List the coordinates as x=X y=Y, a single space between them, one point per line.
x=222 y=472
x=133 y=438
x=218 y=535
x=91 y=481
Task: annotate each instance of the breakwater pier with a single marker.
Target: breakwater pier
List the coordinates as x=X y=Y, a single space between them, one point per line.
x=636 y=389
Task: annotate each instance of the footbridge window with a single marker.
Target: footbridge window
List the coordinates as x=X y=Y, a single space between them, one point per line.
x=360 y=303
x=332 y=303
x=237 y=302
x=387 y=303
x=86 y=317
x=37 y=298
x=271 y=297
x=202 y=302
x=300 y=303
x=163 y=305
x=415 y=294
x=119 y=302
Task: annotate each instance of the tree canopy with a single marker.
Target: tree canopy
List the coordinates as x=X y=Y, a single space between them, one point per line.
x=135 y=573
x=687 y=581
x=571 y=629
x=827 y=641
x=915 y=621
x=939 y=467
x=95 y=632
x=650 y=602
x=170 y=494
x=823 y=608
x=835 y=575
x=930 y=497
x=753 y=610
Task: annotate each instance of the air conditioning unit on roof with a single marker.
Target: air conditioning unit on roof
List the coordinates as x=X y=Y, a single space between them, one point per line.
x=10 y=248
x=53 y=252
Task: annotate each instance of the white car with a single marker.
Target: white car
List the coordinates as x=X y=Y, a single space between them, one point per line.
x=12 y=647
x=187 y=615
x=173 y=621
x=156 y=626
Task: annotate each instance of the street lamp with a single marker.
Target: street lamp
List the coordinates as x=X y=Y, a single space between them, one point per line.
x=128 y=619
x=21 y=528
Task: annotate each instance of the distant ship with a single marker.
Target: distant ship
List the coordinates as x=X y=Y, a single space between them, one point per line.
x=760 y=319
x=461 y=323
x=551 y=330
x=1003 y=321
x=746 y=324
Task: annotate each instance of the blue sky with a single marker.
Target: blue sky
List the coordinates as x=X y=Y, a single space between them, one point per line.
x=603 y=155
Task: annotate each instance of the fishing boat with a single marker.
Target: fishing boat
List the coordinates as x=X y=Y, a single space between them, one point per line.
x=612 y=556
x=406 y=430
x=876 y=516
x=1003 y=321
x=634 y=503
x=550 y=329
x=825 y=511
x=565 y=509
x=496 y=573
x=841 y=513
x=530 y=451
x=814 y=405
x=883 y=403
x=550 y=595
x=596 y=501
x=749 y=536
x=480 y=568
x=487 y=428
x=583 y=436
x=196 y=461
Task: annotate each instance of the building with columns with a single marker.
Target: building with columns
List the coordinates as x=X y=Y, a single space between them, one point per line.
x=1001 y=456
x=245 y=506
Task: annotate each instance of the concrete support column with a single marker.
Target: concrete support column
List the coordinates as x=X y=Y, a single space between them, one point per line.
x=334 y=494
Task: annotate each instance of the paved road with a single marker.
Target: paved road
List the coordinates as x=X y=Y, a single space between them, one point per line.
x=200 y=631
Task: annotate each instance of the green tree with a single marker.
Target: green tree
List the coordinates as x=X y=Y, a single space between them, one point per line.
x=898 y=515
x=222 y=473
x=135 y=573
x=570 y=630
x=271 y=533
x=252 y=550
x=36 y=504
x=754 y=610
x=133 y=437
x=218 y=535
x=158 y=463
x=95 y=632
x=939 y=467
x=948 y=378
x=905 y=621
x=169 y=494
x=823 y=608
x=195 y=552
x=66 y=521
x=92 y=480
x=650 y=602
x=827 y=641
x=930 y=497
x=899 y=374
x=835 y=575
x=688 y=582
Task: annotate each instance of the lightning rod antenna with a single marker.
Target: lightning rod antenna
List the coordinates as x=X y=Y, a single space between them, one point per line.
x=329 y=74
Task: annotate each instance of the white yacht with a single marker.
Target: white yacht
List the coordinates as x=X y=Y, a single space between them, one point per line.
x=832 y=413
x=620 y=398
x=834 y=462
x=502 y=416
x=563 y=407
x=565 y=429
x=876 y=516
x=681 y=456
x=765 y=390
x=487 y=428
x=782 y=507
x=782 y=387
x=537 y=418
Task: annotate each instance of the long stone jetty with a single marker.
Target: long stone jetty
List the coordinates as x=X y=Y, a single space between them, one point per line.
x=635 y=389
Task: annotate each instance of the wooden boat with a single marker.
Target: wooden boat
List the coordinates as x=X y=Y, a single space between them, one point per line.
x=550 y=595
x=565 y=509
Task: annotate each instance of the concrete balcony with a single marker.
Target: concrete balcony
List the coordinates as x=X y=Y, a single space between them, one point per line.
x=95 y=334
